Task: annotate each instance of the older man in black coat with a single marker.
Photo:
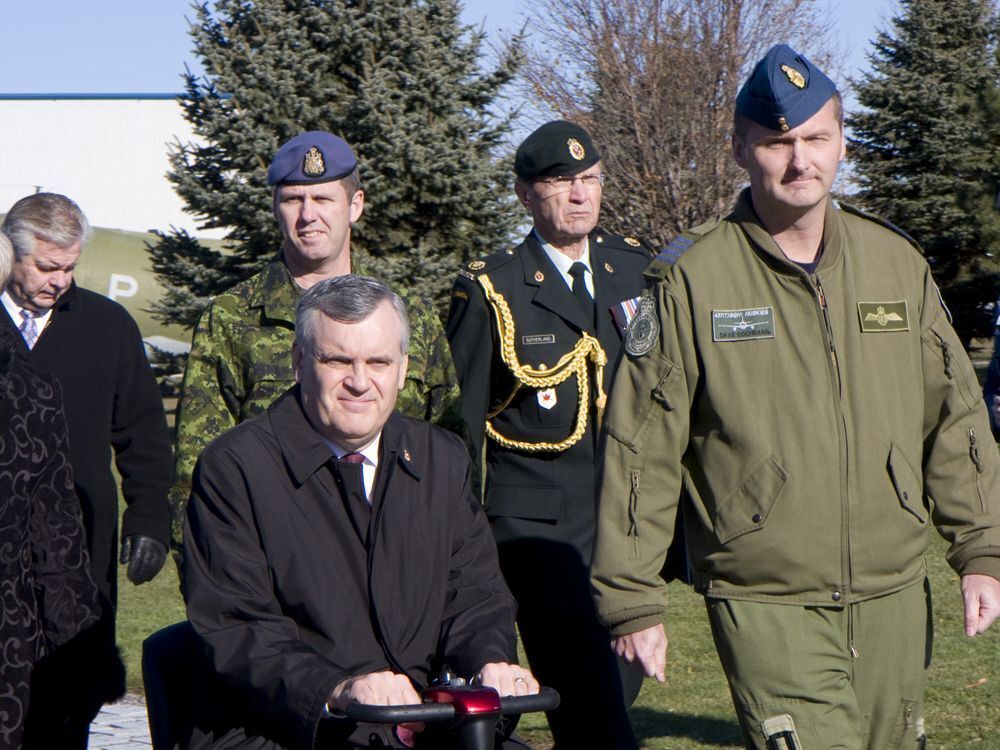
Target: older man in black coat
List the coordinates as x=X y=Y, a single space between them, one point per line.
x=93 y=348
x=335 y=552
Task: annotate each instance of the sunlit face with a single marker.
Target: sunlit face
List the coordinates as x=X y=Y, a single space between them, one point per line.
x=792 y=171
x=350 y=376
x=38 y=280
x=315 y=222
x=563 y=213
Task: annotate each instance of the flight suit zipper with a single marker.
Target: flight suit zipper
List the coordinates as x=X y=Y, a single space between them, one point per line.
x=847 y=573
x=633 y=515
x=977 y=461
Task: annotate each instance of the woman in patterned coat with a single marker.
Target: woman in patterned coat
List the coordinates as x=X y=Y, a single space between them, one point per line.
x=46 y=593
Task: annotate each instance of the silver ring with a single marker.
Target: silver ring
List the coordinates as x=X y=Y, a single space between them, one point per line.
x=519 y=679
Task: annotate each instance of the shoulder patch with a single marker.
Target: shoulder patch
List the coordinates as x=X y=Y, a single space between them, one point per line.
x=478 y=266
x=855 y=211
x=631 y=242
x=658 y=267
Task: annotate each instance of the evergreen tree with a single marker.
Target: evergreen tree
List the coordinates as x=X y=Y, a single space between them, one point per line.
x=927 y=149
x=398 y=80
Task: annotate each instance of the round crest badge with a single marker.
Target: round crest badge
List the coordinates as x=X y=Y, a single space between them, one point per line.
x=642 y=329
x=539 y=277
x=576 y=149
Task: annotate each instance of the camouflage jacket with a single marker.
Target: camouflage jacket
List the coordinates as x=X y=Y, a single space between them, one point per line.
x=241 y=361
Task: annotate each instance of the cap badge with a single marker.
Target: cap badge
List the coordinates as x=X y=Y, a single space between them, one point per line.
x=783 y=123
x=539 y=277
x=632 y=241
x=576 y=149
x=797 y=79
x=312 y=163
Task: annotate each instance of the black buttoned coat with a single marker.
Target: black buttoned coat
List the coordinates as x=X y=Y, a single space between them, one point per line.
x=541 y=504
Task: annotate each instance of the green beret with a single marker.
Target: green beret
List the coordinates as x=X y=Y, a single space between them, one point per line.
x=556 y=148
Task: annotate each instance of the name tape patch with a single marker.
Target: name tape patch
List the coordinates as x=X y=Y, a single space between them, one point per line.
x=883 y=317
x=743 y=325
x=539 y=338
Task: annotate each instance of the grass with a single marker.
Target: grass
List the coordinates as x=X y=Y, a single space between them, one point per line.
x=692 y=710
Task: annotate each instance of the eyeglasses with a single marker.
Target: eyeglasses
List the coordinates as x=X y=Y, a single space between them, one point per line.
x=564 y=183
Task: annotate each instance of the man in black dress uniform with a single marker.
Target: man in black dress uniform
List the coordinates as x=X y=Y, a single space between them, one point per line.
x=535 y=331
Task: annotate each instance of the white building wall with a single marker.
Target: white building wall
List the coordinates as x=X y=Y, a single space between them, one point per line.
x=107 y=154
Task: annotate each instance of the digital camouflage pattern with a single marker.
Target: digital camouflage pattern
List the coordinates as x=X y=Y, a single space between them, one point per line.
x=241 y=361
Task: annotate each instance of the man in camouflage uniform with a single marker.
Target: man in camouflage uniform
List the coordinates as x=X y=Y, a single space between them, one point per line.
x=241 y=354
x=793 y=375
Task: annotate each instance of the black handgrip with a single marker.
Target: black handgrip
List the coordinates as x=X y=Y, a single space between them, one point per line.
x=544 y=700
x=374 y=714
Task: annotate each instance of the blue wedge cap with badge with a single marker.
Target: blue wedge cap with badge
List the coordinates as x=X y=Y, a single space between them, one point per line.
x=784 y=90
x=556 y=148
x=311 y=157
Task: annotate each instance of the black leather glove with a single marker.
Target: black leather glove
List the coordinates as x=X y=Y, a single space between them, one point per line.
x=144 y=555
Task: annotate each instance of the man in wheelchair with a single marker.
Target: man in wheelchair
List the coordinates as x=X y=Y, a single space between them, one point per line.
x=334 y=550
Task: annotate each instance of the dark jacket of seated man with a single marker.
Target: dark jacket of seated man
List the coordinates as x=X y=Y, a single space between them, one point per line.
x=294 y=584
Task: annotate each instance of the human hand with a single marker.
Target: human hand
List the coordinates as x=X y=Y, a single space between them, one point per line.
x=981 y=596
x=648 y=648
x=375 y=689
x=507 y=679
x=145 y=557
x=378 y=689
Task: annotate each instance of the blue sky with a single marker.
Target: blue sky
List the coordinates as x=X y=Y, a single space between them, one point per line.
x=129 y=46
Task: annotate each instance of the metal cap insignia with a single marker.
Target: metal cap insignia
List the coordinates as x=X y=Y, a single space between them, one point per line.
x=312 y=163
x=798 y=80
x=576 y=150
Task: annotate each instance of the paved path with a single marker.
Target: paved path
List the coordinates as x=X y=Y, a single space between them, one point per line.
x=121 y=726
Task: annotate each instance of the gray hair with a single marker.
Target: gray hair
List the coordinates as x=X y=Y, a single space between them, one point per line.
x=347 y=299
x=6 y=260
x=46 y=216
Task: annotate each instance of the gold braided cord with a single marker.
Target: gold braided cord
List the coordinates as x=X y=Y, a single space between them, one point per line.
x=572 y=363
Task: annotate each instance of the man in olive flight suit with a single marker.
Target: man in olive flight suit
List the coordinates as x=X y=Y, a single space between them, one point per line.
x=534 y=337
x=241 y=355
x=793 y=367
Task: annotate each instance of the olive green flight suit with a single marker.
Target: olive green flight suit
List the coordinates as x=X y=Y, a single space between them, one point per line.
x=817 y=425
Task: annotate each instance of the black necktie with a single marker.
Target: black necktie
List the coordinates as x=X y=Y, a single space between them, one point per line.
x=353 y=474
x=578 y=271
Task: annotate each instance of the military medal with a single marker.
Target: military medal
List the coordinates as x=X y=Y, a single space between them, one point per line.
x=642 y=329
x=547 y=398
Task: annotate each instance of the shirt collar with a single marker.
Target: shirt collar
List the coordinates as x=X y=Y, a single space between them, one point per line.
x=14 y=310
x=560 y=260
x=370 y=451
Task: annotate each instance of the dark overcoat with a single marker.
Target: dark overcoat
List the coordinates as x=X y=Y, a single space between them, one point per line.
x=293 y=588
